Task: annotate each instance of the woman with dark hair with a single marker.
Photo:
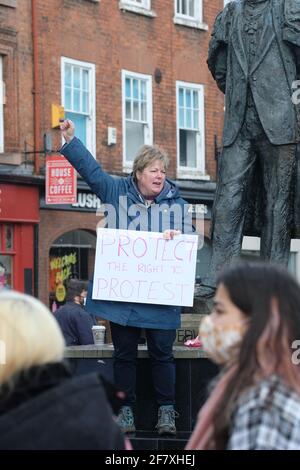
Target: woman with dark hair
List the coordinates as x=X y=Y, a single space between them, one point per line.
x=255 y=404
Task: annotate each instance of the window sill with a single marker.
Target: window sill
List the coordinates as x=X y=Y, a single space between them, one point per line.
x=10 y=158
x=191 y=175
x=9 y=3
x=127 y=168
x=136 y=9
x=190 y=23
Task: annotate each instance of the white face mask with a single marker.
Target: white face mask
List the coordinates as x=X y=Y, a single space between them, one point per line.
x=221 y=343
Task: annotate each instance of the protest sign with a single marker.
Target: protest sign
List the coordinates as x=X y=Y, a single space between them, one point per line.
x=143 y=267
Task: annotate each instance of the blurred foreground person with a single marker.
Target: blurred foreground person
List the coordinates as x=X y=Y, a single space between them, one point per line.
x=41 y=405
x=255 y=404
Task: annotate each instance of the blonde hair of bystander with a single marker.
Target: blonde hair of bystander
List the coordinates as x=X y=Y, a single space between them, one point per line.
x=29 y=334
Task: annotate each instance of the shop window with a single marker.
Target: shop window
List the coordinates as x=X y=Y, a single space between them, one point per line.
x=8 y=237
x=6 y=255
x=254 y=255
x=71 y=256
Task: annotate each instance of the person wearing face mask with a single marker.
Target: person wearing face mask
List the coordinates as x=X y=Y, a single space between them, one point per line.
x=252 y=333
x=83 y=297
x=75 y=323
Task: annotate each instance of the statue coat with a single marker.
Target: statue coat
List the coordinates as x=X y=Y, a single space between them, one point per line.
x=271 y=78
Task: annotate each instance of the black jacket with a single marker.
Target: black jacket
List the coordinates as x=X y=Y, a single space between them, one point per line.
x=75 y=323
x=46 y=409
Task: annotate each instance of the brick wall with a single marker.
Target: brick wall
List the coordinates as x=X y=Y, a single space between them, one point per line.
x=16 y=50
x=100 y=33
x=112 y=39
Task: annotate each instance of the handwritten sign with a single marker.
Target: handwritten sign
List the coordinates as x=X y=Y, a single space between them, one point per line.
x=142 y=267
x=61 y=181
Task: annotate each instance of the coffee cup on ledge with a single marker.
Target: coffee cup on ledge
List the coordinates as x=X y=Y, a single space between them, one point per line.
x=99 y=334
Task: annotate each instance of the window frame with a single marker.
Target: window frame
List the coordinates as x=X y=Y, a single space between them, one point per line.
x=142 y=9
x=185 y=172
x=146 y=4
x=91 y=117
x=127 y=164
x=8 y=252
x=195 y=21
x=253 y=244
x=9 y=3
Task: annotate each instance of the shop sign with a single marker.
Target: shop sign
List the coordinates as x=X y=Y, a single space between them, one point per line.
x=87 y=201
x=61 y=269
x=60 y=293
x=198 y=209
x=61 y=181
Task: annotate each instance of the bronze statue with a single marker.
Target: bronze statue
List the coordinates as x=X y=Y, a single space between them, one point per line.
x=254 y=57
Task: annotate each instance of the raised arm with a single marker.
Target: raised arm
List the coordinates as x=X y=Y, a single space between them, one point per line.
x=101 y=183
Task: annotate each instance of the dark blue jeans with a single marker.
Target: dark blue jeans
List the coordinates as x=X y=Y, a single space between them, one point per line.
x=160 y=345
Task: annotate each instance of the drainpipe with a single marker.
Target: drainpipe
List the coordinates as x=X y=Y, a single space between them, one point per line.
x=36 y=88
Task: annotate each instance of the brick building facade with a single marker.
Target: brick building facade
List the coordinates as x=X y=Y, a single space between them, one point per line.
x=128 y=72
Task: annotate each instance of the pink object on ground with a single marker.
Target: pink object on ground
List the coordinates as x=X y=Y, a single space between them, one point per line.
x=128 y=445
x=193 y=343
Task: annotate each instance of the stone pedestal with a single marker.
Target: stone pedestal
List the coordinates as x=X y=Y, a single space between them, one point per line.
x=189 y=328
x=193 y=373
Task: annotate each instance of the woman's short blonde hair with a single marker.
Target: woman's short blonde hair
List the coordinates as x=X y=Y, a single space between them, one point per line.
x=29 y=334
x=147 y=155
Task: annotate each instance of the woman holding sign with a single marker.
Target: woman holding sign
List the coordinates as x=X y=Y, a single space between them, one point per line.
x=139 y=201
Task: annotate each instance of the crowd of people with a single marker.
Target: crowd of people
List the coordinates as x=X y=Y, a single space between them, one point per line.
x=254 y=403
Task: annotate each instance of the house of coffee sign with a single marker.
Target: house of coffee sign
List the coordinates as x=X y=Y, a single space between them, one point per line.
x=61 y=181
x=143 y=267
